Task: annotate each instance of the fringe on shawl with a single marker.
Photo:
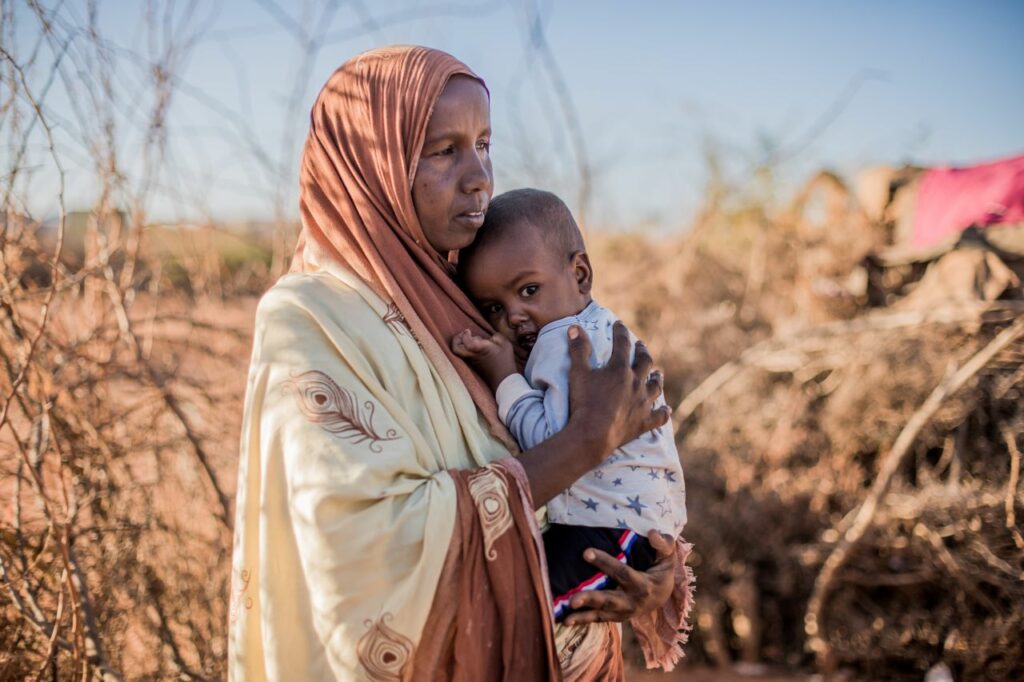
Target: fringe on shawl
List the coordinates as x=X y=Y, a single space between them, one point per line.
x=590 y=653
x=663 y=632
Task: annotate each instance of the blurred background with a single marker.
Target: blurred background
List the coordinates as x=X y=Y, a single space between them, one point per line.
x=813 y=213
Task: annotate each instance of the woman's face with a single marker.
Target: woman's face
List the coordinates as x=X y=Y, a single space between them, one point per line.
x=454 y=181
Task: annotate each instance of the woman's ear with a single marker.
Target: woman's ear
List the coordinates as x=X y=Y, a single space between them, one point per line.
x=583 y=272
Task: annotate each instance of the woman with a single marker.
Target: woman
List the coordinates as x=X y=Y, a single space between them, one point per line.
x=384 y=532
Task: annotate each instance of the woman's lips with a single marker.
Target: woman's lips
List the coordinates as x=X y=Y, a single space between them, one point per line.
x=471 y=219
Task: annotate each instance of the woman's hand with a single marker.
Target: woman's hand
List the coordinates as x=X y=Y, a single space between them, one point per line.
x=637 y=593
x=608 y=406
x=613 y=405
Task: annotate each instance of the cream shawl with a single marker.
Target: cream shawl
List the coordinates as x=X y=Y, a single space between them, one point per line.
x=367 y=484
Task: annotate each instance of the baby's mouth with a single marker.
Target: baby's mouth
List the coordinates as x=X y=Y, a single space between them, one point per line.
x=526 y=341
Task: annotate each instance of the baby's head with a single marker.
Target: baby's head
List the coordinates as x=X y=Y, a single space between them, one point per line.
x=527 y=265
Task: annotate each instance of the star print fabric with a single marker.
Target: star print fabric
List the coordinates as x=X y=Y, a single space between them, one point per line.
x=640 y=486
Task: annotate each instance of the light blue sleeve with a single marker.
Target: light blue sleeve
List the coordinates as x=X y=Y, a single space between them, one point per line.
x=538 y=414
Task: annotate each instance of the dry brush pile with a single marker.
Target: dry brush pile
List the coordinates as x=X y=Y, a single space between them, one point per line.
x=119 y=395
x=116 y=471
x=852 y=454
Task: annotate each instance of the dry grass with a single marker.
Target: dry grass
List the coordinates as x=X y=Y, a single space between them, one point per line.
x=118 y=456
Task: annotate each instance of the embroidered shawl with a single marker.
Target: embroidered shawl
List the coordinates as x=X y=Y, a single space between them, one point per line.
x=368 y=485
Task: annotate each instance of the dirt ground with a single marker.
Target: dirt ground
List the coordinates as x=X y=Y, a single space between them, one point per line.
x=754 y=673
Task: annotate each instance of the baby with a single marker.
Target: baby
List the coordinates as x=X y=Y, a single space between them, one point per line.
x=529 y=273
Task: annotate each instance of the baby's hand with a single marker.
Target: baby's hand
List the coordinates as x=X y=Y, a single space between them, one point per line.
x=493 y=358
x=469 y=346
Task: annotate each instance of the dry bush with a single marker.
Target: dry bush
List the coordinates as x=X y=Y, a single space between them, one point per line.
x=116 y=467
x=849 y=506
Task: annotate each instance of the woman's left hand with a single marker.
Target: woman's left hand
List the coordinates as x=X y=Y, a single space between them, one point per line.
x=638 y=592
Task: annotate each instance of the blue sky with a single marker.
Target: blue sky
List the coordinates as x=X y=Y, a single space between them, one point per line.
x=653 y=84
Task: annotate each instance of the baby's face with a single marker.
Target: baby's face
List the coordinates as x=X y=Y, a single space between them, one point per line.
x=520 y=284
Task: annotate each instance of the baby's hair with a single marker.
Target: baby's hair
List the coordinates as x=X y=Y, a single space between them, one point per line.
x=540 y=210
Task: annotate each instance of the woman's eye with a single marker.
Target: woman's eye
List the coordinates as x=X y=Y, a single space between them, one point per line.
x=447 y=151
x=484 y=145
x=528 y=290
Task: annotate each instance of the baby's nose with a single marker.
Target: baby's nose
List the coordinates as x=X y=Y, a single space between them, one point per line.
x=516 y=318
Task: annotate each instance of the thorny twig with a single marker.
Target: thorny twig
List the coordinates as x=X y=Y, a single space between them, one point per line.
x=1011 y=486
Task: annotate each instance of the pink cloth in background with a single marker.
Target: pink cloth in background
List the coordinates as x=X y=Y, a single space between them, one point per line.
x=952 y=199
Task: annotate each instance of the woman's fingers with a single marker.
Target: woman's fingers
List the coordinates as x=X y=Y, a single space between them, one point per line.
x=579 y=354
x=655 y=382
x=620 y=346
x=662 y=545
x=657 y=418
x=633 y=583
x=617 y=400
x=601 y=606
x=603 y=600
x=642 y=360
x=659 y=578
x=609 y=565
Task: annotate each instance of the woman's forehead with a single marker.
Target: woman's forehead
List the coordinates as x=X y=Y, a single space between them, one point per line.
x=462 y=103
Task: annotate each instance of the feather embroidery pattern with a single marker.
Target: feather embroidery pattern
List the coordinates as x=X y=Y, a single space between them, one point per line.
x=394 y=318
x=336 y=409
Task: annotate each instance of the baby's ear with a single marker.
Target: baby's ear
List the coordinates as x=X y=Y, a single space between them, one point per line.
x=583 y=272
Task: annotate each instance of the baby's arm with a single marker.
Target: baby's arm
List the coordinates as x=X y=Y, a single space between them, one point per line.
x=493 y=358
x=536 y=409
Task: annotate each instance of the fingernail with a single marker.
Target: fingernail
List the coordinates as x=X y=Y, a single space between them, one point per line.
x=588 y=555
x=574 y=332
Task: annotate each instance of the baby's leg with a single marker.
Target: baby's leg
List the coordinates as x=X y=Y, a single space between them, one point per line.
x=569 y=573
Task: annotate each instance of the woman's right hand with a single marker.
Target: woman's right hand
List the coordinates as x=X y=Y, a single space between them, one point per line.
x=608 y=406
x=612 y=405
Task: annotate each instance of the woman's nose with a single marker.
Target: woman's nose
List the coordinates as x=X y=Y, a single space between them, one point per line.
x=476 y=174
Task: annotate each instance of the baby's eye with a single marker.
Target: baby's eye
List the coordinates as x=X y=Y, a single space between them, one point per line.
x=492 y=309
x=528 y=290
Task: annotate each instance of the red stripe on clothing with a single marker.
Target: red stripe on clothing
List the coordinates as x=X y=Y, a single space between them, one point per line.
x=591 y=583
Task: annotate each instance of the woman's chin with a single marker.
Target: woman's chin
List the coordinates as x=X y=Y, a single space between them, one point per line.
x=460 y=238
